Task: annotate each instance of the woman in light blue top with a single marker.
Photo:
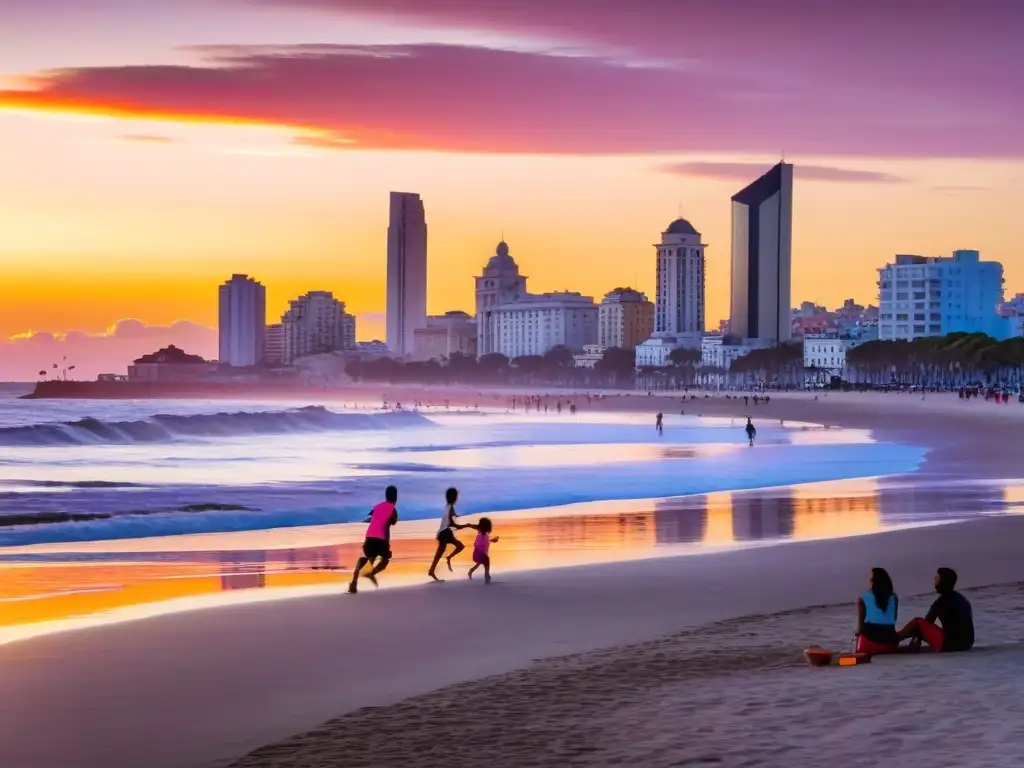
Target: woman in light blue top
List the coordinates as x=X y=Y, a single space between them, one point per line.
x=877 y=608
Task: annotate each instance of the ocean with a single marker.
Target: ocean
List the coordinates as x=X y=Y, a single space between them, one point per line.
x=77 y=471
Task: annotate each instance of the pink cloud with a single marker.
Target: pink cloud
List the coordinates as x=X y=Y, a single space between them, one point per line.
x=148 y=139
x=471 y=99
x=747 y=171
x=25 y=355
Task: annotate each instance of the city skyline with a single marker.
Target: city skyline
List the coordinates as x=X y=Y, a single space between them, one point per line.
x=152 y=160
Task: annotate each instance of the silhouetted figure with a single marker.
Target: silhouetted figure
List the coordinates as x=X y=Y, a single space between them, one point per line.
x=751 y=431
x=658 y=423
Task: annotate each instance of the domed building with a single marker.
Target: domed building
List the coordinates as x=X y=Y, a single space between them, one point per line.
x=679 y=298
x=516 y=323
x=499 y=284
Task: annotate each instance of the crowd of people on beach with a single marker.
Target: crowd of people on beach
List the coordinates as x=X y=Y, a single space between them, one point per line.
x=878 y=609
x=377 y=543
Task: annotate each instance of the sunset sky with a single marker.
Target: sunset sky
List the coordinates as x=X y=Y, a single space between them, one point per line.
x=150 y=148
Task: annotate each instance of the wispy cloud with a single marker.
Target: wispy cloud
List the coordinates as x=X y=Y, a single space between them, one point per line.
x=744 y=171
x=476 y=99
x=146 y=138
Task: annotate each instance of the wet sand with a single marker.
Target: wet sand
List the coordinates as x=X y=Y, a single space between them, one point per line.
x=202 y=689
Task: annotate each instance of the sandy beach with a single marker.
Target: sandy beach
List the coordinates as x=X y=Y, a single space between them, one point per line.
x=671 y=661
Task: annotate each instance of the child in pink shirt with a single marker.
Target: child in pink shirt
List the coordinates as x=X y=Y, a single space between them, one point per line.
x=482 y=547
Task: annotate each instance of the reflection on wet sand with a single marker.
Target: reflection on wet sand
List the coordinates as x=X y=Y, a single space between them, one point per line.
x=43 y=592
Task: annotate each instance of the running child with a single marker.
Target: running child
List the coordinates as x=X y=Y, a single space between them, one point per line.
x=446 y=533
x=482 y=547
x=377 y=544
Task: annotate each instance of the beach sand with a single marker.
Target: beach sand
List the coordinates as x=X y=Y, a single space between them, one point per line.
x=202 y=689
x=646 y=663
x=732 y=693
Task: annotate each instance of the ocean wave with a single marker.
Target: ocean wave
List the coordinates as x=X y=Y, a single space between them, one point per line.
x=164 y=428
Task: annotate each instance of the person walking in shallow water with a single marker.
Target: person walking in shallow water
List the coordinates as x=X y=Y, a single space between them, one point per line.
x=658 y=422
x=446 y=533
x=377 y=544
x=751 y=431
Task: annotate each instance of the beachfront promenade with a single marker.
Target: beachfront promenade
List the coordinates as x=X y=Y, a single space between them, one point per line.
x=203 y=688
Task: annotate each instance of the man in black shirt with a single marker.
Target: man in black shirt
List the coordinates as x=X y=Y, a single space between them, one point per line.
x=952 y=610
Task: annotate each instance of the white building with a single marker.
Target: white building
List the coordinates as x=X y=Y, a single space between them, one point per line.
x=445 y=335
x=407 y=272
x=316 y=323
x=679 y=301
x=625 y=319
x=826 y=354
x=591 y=355
x=242 y=306
x=934 y=296
x=534 y=324
x=762 y=225
x=718 y=352
x=499 y=284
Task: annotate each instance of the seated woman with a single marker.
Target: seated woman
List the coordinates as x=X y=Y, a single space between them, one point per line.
x=876 y=615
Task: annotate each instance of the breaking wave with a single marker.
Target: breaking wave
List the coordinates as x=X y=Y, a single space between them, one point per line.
x=165 y=428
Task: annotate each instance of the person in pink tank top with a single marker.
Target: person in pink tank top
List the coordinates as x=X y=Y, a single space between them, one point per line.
x=377 y=544
x=482 y=547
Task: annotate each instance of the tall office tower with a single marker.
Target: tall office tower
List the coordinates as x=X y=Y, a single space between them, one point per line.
x=242 y=320
x=762 y=224
x=407 y=272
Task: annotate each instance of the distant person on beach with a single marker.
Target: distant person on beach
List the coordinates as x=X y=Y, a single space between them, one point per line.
x=876 y=615
x=482 y=547
x=446 y=533
x=658 y=422
x=377 y=544
x=952 y=610
x=751 y=431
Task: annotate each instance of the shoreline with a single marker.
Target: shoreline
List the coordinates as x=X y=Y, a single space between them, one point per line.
x=245 y=676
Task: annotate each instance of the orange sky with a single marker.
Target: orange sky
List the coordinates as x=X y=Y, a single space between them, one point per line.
x=107 y=213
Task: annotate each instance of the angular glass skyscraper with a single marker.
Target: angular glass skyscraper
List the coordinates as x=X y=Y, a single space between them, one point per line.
x=762 y=225
x=407 y=272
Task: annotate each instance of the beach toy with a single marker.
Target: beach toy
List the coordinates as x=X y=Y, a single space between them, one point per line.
x=818 y=657
x=853 y=659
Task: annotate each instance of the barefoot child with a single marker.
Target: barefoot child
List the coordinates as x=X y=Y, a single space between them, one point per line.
x=482 y=547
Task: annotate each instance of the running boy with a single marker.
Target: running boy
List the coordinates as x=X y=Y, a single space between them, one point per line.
x=377 y=544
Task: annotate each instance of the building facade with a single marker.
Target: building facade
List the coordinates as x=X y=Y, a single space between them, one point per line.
x=679 y=297
x=171 y=364
x=535 y=323
x=762 y=225
x=273 y=344
x=407 y=272
x=625 y=319
x=316 y=323
x=446 y=335
x=499 y=284
x=935 y=296
x=825 y=354
x=242 y=320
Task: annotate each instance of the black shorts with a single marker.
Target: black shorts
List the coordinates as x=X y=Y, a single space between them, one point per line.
x=447 y=536
x=374 y=548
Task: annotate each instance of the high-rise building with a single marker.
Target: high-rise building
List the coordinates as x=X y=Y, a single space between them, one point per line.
x=625 y=319
x=316 y=323
x=934 y=296
x=762 y=224
x=242 y=305
x=273 y=344
x=407 y=272
x=499 y=284
x=679 y=300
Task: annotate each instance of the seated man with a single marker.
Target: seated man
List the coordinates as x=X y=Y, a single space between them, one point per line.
x=952 y=610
